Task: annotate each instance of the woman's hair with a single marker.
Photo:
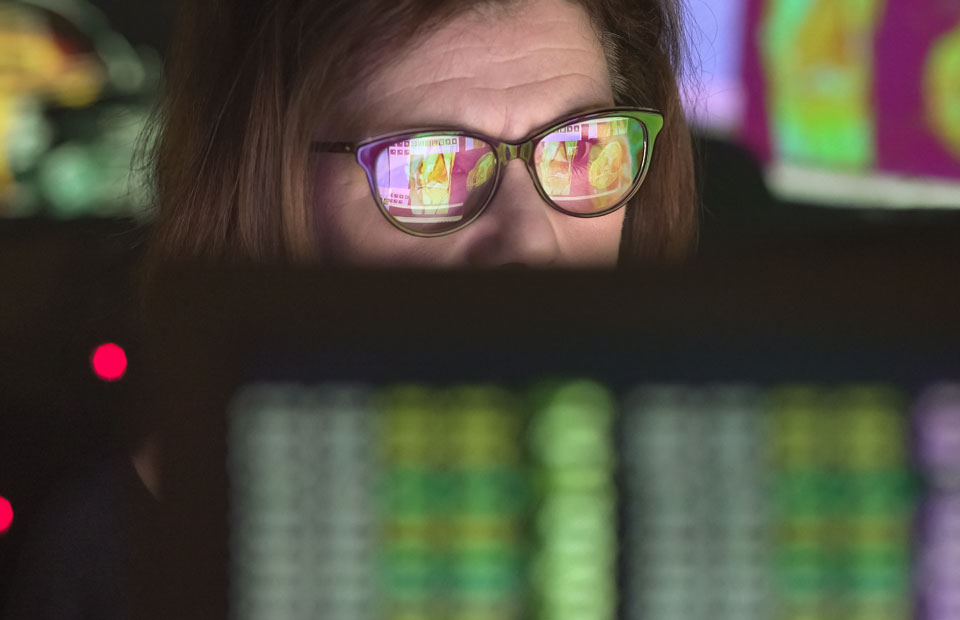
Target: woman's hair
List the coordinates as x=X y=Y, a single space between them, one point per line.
x=248 y=82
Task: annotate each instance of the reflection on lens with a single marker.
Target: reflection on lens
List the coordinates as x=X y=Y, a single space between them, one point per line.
x=433 y=184
x=608 y=167
x=591 y=166
x=555 y=167
x=482 y=172
x=430 y=185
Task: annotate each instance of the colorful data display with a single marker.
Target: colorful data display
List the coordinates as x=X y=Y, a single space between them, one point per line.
x=855 y=86
x=695 y=486
x=819 y=72
x=845 y=102
x=418 y=503
x=565 y=500
x=844 y=505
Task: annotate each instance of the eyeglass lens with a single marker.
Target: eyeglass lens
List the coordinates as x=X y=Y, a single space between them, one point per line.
x=436 y=183
x=589 y=167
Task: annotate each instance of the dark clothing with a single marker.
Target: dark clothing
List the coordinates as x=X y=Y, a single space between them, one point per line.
x=78 y=559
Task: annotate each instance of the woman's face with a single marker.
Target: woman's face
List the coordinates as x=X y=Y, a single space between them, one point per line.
x=504 y=74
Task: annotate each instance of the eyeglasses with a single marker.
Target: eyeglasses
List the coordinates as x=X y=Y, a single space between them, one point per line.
x=434 y=182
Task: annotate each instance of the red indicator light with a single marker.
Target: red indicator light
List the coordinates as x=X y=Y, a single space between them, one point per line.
x=109 y=362
x=6 y=515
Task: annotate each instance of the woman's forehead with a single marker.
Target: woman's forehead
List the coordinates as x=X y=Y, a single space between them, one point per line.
x=503 y=73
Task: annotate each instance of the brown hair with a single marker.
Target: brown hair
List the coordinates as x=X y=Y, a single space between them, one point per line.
x=249 y=80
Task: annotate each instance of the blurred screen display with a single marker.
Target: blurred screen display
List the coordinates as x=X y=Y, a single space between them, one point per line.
x=567 y=500
x=847 y=102
x=74 y=97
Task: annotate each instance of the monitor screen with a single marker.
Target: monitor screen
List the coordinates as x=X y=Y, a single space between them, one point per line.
x=846 y=104
x=696 y=446
x=570 y=499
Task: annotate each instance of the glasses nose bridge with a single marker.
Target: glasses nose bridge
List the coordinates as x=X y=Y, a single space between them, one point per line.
x=511 y=151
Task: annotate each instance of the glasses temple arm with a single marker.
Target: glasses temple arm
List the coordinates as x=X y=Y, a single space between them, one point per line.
x=333 y=147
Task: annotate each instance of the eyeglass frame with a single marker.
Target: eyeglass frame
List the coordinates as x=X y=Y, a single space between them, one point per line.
x=368 y=151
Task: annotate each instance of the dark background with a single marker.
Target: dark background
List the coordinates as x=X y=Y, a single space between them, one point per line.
x=67 y=286
x=64 y=289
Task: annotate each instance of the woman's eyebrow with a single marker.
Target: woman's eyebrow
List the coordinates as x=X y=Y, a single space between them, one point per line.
x=579 y=110
x=381 y=128
x=572 y=113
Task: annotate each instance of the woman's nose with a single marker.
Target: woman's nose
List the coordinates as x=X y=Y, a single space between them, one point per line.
x=517 y=228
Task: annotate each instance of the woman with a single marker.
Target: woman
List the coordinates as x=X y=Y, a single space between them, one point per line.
x=267 y=103
x=252 y=85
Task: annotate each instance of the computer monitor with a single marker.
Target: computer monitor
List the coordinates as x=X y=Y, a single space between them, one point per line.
x=730 y=441
x=845 y=104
